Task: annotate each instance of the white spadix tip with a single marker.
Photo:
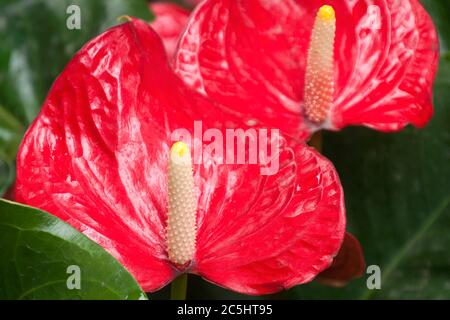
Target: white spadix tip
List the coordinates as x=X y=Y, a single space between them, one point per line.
x=181 y=222
x=319 y=78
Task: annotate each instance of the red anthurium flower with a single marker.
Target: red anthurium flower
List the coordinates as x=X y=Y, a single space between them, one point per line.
x=349 y=263
x=100 y=156
x=170 y=21
x=289 y=65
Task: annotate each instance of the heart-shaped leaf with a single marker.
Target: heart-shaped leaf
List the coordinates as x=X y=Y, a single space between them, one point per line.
x=44 y=258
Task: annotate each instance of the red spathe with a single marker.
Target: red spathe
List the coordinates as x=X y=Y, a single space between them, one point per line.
x=96 y=157
x=170 y=20
x=250 y=55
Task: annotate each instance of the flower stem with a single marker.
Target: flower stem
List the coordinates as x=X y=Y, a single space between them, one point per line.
x=317 y=141
x=179 y=288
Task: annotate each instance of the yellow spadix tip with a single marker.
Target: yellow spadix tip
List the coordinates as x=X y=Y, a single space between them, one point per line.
x=326 y=13
x=180 y=149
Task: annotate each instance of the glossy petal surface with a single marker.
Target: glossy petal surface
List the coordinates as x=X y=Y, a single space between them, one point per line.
x=270 y=233
x=250 y=55
x=170 y=21
x=97 y=157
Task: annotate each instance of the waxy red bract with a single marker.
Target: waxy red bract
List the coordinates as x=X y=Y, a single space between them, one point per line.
x=170 y=20
x=96 y=157
x=250 y=55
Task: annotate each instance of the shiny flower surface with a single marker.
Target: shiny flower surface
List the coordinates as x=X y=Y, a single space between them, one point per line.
x=97 y=156
x=252 y=56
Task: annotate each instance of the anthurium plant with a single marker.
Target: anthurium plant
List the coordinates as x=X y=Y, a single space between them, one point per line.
x=188 y=141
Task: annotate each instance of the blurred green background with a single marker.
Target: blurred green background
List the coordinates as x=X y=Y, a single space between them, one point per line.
x=397 y=186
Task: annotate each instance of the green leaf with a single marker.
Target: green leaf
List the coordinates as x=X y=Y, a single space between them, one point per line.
x=36 y=45
x=36 y=251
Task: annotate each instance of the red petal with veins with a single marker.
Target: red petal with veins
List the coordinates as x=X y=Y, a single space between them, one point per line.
x=170 y=21
x=347 y=265
x=265 y=241
x=96 y=156
x=250 y=55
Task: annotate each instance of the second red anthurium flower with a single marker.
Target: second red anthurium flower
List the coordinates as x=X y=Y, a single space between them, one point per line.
x=302 y=66
x=100 y=156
